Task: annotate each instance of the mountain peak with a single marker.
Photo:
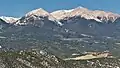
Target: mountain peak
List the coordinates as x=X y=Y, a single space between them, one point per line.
x=80 y=7
x=38 y=12
x=36 y=15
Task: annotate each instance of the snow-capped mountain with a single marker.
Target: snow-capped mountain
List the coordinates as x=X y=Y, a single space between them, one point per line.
x=9 y=19
x=38 y=14
x=100 y=16
x=56 y=16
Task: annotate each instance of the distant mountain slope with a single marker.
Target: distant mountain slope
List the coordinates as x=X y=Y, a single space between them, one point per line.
x=42 y=25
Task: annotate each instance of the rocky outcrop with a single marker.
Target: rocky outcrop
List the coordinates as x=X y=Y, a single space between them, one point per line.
x=31 y=59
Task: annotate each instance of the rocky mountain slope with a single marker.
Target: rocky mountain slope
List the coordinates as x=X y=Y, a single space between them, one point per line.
x=31 y=59
x=40 y=59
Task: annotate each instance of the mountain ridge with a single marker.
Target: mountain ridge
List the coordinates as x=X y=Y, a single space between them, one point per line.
x=56 y=16
x=98 y=15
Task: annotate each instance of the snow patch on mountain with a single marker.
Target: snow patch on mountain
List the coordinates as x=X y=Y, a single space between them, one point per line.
x=38 y=12
x=9 y=19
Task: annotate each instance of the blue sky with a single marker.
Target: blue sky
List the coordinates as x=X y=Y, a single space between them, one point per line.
x=20 y=7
